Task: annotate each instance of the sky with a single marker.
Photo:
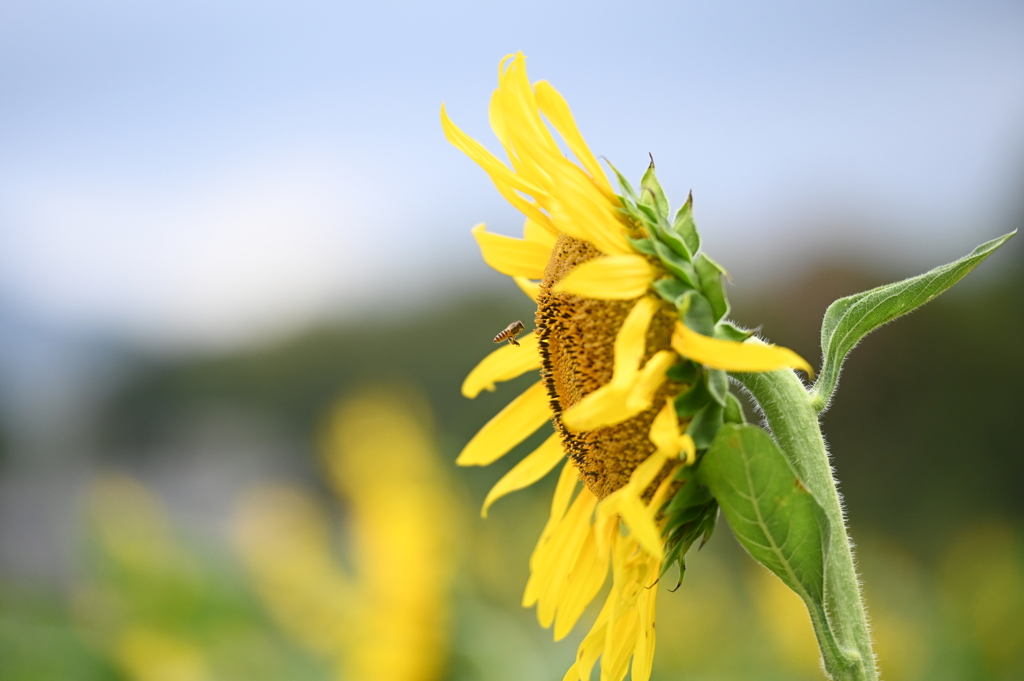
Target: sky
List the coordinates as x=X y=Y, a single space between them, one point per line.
x=203 y=174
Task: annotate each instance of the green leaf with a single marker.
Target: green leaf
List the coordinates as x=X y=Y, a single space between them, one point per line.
x=730 y=332
x=705 y=424
x=651 y=193
x=734 y=410
x=693 y=400
x=696 y=312
x=682 y=372
x=770 y=512
x=690 y=513
x=685 y=227
x=849 y=319
x=711 y=284
x=685 y=505
x=671 y=289
x=718 y=385
x=677 y=264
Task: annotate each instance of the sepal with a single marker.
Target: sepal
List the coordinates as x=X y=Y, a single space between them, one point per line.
x=651 y=193
x=685 y=227
x=728 y=331
x=711 y=273
x=705 y=424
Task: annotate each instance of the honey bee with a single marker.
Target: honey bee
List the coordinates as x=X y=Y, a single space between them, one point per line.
x=510 y=333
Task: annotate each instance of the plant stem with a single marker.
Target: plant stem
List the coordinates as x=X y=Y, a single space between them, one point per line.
x=793 y=420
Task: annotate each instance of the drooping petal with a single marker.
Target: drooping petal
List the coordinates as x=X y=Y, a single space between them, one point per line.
x=631 y=341
x=553 y=105
x=641 y=523
x=620 y=640
x=530 y=288
x=504 y=364
x=567 y=481
x=592 y=645
x=586 y=578
x=532 y=468
x=666 y=437
x=733 y=356
x=650 y=380
x=613 y=277
x=559 y=555
x=606 y=406
x=514 y=257
x=643 y=655
x=508 y=428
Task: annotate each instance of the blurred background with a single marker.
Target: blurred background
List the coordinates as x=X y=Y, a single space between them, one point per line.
x=238 y=296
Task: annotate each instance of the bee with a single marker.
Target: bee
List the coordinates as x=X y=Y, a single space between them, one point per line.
x=510 y=333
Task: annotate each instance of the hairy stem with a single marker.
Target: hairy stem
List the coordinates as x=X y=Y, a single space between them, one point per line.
x=793 y=419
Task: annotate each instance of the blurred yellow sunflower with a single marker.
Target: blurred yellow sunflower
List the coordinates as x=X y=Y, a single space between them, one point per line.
x=631 y=346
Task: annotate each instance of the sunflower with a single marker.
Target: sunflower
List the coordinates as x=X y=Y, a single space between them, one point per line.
x=632 y=348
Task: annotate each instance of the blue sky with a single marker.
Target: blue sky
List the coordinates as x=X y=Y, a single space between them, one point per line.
x=207 y=173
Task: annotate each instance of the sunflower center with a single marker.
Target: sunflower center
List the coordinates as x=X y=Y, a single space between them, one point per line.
x=577 y=340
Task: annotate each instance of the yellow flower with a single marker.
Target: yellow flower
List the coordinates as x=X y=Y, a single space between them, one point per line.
x=605 y=341
x=380 y=619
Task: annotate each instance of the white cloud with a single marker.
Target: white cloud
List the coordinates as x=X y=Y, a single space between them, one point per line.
x=207 y=258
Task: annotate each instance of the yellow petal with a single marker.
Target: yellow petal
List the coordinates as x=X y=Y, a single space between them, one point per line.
x=583 y=582
x=507 y=182
x=641 y=524
x=666 y=436
x=580 y=209
x=619 y=644
x=504 y=364
x=645 y=473
x=530 y=209
x=499 y=172
x=514 y=257
x=530 y=288
x=661 y=494
x=567 y=481
x=649 y=381
x=606 y=406
x=631 y=341
x=665 y=430
x=733 y=356
x=643 y=654
x=532 y=468
x=508 y=428
x=556 y=562
x=593 y=643
x=613 y=277
x=689 y=448
x=500 y=117
x=556 y=109
x=539 y=234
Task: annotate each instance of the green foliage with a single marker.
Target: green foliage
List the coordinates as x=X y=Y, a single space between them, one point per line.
x=850 y=319
x=771 y=513
x=692 y=513
x=685 y=227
